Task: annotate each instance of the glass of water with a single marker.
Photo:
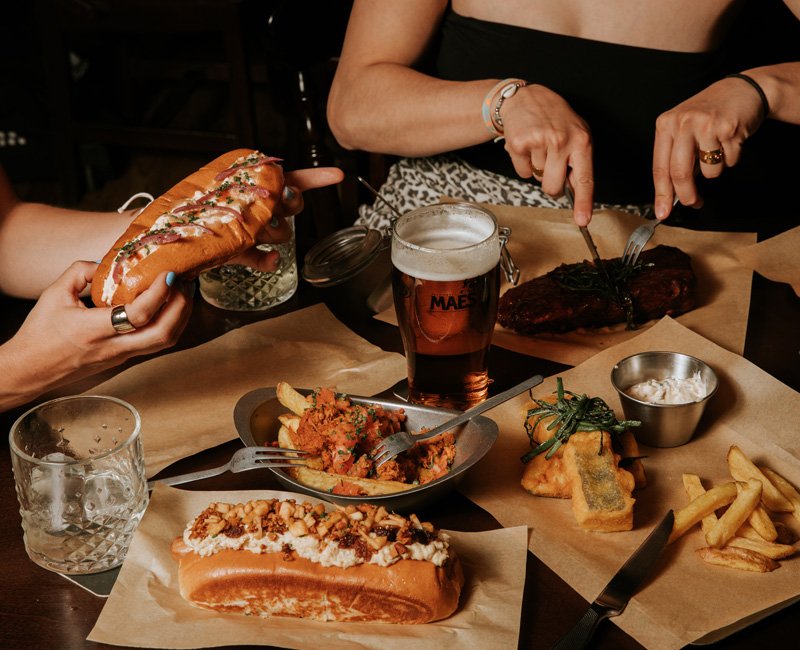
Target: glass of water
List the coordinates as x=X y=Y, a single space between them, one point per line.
x=80 y=479
x=239 y=288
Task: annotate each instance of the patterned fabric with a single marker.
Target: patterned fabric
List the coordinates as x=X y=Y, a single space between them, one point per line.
x=414 y=182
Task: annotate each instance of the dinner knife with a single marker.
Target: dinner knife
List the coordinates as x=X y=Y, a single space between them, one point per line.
x=614 y=598
x=587 y=237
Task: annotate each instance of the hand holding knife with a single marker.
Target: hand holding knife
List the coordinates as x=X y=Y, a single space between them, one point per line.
x=586 y=236
x=625 y=583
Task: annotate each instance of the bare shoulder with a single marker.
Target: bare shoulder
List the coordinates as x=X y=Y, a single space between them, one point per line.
x=794 y=7
x=410 y=23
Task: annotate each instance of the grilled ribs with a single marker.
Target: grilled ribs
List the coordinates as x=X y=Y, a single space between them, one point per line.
x=578 y=295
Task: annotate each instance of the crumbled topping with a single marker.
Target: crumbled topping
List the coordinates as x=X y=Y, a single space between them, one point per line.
x=348 y=535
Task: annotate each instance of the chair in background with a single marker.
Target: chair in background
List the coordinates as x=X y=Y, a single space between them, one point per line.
x=146 y=75
x=188 y=79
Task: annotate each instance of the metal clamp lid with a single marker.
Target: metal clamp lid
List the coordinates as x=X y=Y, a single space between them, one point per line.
x=343 y=254
x=510 y=270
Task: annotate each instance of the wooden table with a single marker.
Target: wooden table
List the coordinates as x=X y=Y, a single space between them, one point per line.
x=43 y=610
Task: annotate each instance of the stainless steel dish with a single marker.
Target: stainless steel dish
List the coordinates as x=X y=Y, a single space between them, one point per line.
x=256 y=418
x=663 y=425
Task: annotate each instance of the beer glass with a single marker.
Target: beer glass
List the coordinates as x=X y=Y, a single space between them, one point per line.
x=445 y=283
x=80 y=479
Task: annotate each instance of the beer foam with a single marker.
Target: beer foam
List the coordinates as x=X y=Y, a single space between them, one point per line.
x=452 y=243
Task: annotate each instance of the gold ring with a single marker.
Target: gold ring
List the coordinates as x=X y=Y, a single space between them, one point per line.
x=712 y=157
x=537 y=171
x=119 y=320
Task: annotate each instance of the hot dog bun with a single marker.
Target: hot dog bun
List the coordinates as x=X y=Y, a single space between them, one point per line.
x=203 y=221
x=331 y=572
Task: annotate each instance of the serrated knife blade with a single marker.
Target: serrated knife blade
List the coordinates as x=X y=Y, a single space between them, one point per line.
x=621 y=588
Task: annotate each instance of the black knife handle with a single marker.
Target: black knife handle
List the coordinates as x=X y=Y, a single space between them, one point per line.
x=580 y=635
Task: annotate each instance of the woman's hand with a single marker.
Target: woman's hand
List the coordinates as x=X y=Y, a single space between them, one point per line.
x=547 y=139
x=62 y=340
x=278 y=230
x=705 y=132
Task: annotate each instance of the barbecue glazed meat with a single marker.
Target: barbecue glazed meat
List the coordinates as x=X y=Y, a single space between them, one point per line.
x=578 y=295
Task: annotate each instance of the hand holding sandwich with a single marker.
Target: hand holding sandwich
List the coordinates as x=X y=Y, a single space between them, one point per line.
x=292 y=203
x=63 y=340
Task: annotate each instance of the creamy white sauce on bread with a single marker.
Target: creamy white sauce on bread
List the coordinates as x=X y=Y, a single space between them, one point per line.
x=364 y=534
x=326 y=553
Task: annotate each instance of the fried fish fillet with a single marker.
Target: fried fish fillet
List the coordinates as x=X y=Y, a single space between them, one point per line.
x=601 y=489
x=587 y=470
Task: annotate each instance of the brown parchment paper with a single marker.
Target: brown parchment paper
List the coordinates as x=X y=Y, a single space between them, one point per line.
x=186 y=398
x=544 y=238
x=775 y=258
x=686 y=599
x=146 y=610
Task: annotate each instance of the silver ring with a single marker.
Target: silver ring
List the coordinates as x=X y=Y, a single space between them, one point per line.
x=119 y=320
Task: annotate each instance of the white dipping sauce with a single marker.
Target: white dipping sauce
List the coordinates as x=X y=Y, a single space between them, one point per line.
x=670 y=390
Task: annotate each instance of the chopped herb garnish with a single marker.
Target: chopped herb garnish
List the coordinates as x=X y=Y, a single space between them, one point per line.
x=589 y=278
x=578 y=413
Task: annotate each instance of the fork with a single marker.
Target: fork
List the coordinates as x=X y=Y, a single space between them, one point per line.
x=243 y=460
x=637 y=241
x=399 y=442
x=639 y=238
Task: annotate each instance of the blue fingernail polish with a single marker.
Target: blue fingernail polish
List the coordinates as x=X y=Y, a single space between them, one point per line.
x=98 y=261
x=288 y=193
x=170 y=278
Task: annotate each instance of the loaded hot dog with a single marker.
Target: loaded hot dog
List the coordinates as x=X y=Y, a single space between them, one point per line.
x=282 y=558
x=203 y=221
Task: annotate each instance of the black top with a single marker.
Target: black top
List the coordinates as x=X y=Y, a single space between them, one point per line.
x=619 y=90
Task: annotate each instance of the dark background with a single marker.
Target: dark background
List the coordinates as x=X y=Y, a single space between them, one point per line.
x=164 y=75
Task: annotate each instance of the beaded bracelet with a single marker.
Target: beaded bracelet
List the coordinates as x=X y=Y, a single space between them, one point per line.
x=756 y=86
x=491 y=109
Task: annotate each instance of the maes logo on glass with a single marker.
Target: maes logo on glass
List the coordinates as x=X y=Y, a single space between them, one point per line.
x=464 y=299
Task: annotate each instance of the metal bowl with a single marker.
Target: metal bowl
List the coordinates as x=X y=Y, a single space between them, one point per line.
x=663 y=425
x=256 y=418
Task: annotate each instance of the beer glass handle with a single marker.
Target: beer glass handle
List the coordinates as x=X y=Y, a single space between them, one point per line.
x=510 y=270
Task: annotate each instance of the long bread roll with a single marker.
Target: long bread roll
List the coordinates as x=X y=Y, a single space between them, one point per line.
x=282 y=558
x=203 y=221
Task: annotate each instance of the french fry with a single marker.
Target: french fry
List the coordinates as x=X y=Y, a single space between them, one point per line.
x=742 y=469
x=285 y=440
x=738 y=512
x=762 y=523
x=767 y=549
x=700 y=507
x=325 y=482
x=759 y=524
x=694 y=488
x=291 y=422
x=785 y=488
x=737 y=558
x=291 y=399
x=785 y=534
x=746 y=530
